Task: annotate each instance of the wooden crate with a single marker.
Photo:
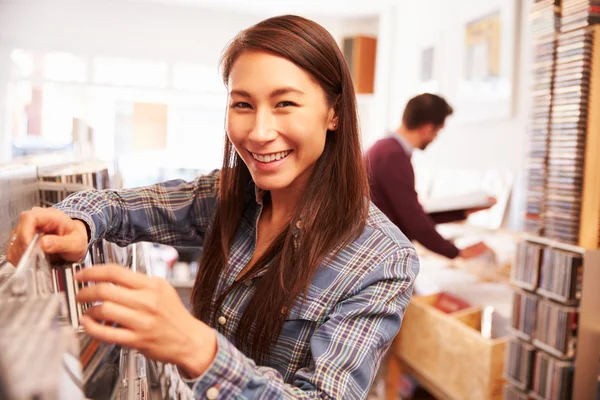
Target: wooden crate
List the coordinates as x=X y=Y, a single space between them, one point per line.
x=447 y=353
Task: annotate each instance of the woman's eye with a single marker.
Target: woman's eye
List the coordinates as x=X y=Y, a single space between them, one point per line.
x=285 y=104
x=241 y=104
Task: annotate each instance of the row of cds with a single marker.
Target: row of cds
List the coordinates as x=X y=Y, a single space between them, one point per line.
x=525 y=271
x=523 y=314
x=561 y=275
x=519 y=364
x=544 y=19
x=512 y=393
x=579 y=14
x=550 y=271
x=551 y=326
x=564 y=185
x=556 y=328
x=552 y=378
x=536 y=373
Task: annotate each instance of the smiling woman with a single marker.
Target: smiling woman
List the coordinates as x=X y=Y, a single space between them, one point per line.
x=302 y=283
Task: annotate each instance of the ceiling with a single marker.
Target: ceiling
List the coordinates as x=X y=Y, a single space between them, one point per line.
x=330 y=8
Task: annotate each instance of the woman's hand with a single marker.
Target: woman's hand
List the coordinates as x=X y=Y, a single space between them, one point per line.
x=150 y=315
x=64 y=236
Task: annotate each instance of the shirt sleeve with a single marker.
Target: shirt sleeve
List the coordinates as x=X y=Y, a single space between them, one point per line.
x=445 y=217
x=175 y=213
x=346 y=350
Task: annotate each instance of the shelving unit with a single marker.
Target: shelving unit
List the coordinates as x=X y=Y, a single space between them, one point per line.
x=554 y=351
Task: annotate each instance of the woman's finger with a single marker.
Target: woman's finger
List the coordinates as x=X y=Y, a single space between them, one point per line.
x=121 y=315
x=72 y=247
x=113 y=273
x=115 y=294
x=110 y=334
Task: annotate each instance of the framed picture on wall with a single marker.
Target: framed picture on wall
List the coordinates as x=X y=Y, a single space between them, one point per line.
x=486 y=85
x=427 y=77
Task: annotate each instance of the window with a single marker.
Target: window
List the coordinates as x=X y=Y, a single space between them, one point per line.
x=198 y=78
x=64 y=67
x=130 y=72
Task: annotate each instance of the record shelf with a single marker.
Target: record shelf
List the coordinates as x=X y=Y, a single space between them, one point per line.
x=563 y=189
x=554 y=352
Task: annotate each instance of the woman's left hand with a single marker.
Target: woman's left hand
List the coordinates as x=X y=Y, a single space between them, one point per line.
x=150 y=316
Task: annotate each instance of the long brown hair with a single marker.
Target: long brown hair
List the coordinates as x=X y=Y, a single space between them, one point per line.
x=333 y=208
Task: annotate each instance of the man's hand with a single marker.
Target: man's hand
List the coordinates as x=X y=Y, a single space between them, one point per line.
x=475 y=250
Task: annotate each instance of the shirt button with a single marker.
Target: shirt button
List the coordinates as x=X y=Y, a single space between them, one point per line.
x=248 y=283
x=212 y=393
x=222 y=320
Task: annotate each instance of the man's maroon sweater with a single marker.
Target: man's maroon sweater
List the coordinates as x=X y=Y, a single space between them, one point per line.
x=392 y=182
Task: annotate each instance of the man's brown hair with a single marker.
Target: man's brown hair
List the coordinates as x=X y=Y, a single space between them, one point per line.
x=425 y=109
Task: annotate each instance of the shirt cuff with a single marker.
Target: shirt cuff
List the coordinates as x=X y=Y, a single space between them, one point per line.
x=85 y=218
x=226 y=377
x=453 y=252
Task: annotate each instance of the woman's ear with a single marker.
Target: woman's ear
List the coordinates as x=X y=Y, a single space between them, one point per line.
x=333 y=121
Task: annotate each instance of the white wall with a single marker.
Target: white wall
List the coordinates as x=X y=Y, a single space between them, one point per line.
x=469 y=145
x=116 y=28
x=122 y=28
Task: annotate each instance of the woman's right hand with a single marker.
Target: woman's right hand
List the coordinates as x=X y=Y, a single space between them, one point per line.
x=65 y=237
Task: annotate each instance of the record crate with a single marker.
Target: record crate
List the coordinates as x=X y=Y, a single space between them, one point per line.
x=447 y=353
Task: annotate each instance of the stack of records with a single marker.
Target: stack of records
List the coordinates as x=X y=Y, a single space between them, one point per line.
x=37 y=319
x=56 y=184
x=523 y=315
x=63 y=281
x=544 y=17
x=556 y=328
x=518 y=369
x=564 y=183
x=552 y=378
x=579 y=14
x=561 y=275
x=32 y=276
x=38 y=350
x=19 y=193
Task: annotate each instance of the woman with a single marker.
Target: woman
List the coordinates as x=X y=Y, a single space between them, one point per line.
x=302 y=283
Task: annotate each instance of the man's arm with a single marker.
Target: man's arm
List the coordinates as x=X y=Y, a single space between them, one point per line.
x=407 y=212
x=445 y=217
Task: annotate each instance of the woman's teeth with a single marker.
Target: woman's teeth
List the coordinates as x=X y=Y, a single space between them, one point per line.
x=265 y=158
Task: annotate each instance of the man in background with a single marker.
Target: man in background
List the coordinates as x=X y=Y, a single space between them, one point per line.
x=392 y=178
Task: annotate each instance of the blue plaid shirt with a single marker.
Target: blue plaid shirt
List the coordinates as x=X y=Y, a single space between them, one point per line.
x=330 y=346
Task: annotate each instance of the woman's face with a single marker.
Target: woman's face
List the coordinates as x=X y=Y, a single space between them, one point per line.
x=277 y=119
